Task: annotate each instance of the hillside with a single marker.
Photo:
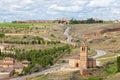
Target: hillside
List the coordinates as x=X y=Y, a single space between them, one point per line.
x=47 y=42
x=108 y=41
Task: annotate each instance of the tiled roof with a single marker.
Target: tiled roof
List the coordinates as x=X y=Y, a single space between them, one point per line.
x=18 y=65
x=5 y=45
x=9 y=69
x=8 y=58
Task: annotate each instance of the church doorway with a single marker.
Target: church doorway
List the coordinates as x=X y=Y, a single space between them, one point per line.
x=77 y=65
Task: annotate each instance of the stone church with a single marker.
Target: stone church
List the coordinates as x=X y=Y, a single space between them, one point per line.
x=82 y=61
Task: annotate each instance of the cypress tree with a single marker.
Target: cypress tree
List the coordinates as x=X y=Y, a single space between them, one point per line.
x=118 y=64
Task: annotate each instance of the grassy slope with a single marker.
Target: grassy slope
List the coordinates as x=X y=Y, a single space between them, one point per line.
x=115 y=77
x=76 y=30
x=54 y=76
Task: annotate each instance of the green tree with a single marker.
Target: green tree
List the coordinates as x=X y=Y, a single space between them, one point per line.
x=0 y=52
x=2 y=35
x=91 y=20
x=118 y=64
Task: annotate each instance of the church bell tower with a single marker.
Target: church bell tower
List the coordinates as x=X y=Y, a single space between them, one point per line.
x=83 y=56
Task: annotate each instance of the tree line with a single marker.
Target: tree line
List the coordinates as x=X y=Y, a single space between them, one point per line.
x=88 y=21
x=34 y=40
x=41 y=58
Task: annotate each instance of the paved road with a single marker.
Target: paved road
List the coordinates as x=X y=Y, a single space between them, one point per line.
x=109 y=57
x=99 y=54
x=69 y=38
x=42 y=72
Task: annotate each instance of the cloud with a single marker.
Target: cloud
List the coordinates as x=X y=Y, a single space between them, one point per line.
x=101 y=3
x=56 y=9
x=52 y=12
x=70 y=6
x=74 y=8
x=27 y=1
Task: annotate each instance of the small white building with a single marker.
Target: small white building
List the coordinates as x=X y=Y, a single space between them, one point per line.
x=117 y=21
x=3 y=47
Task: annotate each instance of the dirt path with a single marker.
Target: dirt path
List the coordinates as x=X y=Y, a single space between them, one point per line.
x=69 y=38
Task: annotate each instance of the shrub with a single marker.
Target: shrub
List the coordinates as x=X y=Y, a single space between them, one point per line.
x=2 y=35
x=52 y=35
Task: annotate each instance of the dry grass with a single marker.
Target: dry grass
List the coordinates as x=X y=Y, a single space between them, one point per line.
x=79 y=29
x=114 y=77
x=54 y=76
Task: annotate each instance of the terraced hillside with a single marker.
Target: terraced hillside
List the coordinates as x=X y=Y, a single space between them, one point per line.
x=48 y=31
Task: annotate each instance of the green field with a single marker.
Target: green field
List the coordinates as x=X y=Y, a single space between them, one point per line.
x=25 y=24
x=15 y=24
x=44 y=24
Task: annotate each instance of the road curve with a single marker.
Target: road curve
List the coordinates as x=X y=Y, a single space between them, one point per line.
x=99 y=54
x=69 y=38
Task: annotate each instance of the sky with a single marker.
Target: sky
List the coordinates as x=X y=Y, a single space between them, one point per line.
x=11 y=10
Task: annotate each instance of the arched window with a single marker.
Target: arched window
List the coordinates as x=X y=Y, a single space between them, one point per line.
x=83 y=49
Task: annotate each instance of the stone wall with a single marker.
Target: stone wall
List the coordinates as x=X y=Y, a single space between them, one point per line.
x=74 y=63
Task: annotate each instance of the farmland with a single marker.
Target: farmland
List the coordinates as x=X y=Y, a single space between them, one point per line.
x=25 y=24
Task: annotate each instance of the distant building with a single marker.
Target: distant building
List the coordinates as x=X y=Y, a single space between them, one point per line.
x=36 y=21
x=25 y=63
x=8 y=66
x=4 y=49
x=6 y=72
x=63 y=20
x=18 y=67
x=117 y=21
x=82 y=61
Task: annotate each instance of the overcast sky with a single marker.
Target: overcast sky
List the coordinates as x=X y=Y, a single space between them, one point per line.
x=56 y=9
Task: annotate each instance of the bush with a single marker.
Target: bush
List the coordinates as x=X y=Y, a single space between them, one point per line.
x=111 y=68
x=88 y=21
x=2 y=35
x=52 y=35
x=63 y=61
x=95 y=78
